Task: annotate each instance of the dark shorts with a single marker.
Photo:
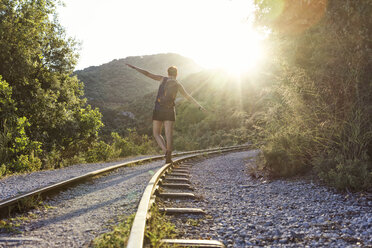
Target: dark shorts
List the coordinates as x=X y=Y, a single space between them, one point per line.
x=164 y=114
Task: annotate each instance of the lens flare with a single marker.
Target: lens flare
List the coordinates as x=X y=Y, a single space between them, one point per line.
x=291 y=16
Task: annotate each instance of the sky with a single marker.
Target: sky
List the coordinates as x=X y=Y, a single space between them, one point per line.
x=211 y=32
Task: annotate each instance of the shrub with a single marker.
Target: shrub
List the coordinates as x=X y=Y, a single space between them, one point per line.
x=342 y=173
x=101 y=152
x=283 y=155
x=25 y=163
x=2 y=170
x=133 y=144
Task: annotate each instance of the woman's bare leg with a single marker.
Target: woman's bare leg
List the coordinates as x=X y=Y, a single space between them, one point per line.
x=168 y=125
x=156 y=130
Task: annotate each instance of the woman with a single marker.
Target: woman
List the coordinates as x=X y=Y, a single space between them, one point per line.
x=164 y=111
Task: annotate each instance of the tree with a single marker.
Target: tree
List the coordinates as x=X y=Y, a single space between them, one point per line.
x=37 y=60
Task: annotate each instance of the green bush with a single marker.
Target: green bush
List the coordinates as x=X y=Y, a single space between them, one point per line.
x=25 y=163
x=101 y=152
x=133 y=144
x=282 y=156
x=342 y=173
x=18 y=153
x=2 y=170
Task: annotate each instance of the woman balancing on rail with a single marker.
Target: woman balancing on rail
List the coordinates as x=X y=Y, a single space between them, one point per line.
x=164 y=111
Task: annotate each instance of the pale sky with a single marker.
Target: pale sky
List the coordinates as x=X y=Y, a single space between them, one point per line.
x=210 y=32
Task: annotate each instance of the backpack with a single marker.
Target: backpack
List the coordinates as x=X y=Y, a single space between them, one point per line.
x=167 y=93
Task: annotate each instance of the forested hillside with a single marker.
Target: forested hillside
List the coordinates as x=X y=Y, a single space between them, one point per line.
x=113 y=84
x=112 y=87
x=231 y=104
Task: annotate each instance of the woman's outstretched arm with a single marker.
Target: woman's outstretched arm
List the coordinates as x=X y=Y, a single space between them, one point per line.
x=183 y=92
x=146 y=73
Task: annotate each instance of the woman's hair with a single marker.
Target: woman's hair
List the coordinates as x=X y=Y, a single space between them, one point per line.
x=172 y=71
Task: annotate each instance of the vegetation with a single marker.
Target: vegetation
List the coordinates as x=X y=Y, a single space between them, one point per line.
x=13 y=224
x=114 y=83
x=44 y=120
x=113 y=86
x=158 y=228
x=318 y=114
x=118 y=237
x=231 y=104
x=133 y=144
x=310 y=109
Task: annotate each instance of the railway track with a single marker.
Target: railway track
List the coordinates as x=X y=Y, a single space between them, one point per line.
x=241 y=212
x=161 y=185
x=14 y=204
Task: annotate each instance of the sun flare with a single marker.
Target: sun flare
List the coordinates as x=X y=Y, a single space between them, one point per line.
x=239 y=53
x=237 y=50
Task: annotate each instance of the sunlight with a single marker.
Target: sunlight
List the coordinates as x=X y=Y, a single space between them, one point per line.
x=233 y=46
x=239 y=52
x=214 y=33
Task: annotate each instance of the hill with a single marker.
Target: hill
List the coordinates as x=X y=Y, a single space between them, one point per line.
x=110 y=85
x=231 y=102
x=126 y=99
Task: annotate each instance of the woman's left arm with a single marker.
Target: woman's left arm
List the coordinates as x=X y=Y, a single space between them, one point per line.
x=183 y=92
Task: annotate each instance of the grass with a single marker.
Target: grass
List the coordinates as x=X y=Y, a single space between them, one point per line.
x=12 y=225
x=29 y=203
x=119 y=235
x=193 y=222
x=9 y=226
x=158 y=228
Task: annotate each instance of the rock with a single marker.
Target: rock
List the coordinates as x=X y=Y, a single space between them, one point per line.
x=268 y=223
x=283 y=241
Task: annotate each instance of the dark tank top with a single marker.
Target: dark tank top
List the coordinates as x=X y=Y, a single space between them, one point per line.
x=167 y=93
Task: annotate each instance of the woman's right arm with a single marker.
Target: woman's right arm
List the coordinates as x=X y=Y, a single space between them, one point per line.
x=146 y=73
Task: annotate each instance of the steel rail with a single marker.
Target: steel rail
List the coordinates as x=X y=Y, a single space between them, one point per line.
x=7 y=206
x=137 y=234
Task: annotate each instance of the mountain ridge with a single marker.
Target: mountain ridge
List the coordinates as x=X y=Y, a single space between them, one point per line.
x=113 y=84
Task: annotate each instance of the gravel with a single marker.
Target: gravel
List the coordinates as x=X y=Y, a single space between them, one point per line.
x=17 y=184
x=245 y=212
x=81 y=213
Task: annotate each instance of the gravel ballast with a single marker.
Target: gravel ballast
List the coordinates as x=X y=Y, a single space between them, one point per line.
x=245 y=212
x=17 y=184
x=81 y=213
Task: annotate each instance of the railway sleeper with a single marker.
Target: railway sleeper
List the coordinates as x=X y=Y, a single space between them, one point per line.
x=177 y=179
x=175 y=174
x=177 y=186
x=193 y=243
x=182 y=210
x=183 y=165
x=181 y=171
x=175 y=195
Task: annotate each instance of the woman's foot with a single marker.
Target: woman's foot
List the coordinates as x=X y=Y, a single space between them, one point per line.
x=168 y=157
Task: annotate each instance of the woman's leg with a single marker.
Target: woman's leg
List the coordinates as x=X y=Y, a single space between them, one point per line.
x=156 y=129
x=168 y=125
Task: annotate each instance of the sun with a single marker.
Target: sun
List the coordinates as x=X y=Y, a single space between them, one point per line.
x=238 y=51
x=226 y=39
x=241 y=52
